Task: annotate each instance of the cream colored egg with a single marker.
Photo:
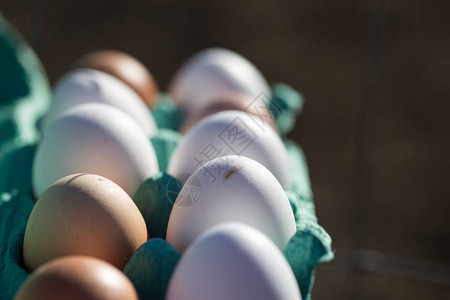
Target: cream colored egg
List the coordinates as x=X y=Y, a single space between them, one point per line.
x=92 y=86
x=212 y=72
x=233 y=261
x=230 y=133
x=231 y=188
x=94 y=138
x=83 y=214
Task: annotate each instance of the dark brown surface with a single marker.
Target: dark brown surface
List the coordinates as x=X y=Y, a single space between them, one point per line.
x=321 y=48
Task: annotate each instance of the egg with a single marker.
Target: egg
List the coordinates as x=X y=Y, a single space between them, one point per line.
x=83 y=214
x=126 y=68
x=230 y=133
x=211 y=72
x=92 y=86
x=77 y=277
x=232 y=101
x=231 y=188
x=94 y=138
x=233 y=261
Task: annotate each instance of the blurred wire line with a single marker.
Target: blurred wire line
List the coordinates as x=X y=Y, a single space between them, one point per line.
x=363 y=168
x=371 y=261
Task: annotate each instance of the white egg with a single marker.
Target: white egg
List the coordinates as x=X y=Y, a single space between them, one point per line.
x=91 y=86
x=230 y=133
x=98 y=139
x=233 y=261
x=212 y=72
x=231 y=188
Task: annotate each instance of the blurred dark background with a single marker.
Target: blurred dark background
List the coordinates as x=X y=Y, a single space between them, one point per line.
x=375 y=127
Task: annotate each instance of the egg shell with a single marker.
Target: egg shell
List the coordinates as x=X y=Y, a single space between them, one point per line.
x=230 y=133
x=212 y=72
x=233 y=261
x=124 y=67
x=231 y=188
x=77 y=277
x=232 y=101
x=83 y=214
x=94 y=138
x=91 y=86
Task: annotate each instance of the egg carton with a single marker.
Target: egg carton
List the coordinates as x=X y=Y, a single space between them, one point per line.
x=24 y=98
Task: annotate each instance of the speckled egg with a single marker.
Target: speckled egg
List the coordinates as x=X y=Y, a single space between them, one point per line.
x=83 y=214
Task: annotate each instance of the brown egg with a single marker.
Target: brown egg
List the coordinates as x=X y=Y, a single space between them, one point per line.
x=77 y=277
x=83 y=214
x=126 y=68
x=232 y=101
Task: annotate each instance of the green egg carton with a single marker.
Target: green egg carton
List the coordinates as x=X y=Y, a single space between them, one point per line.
x=24 y=98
